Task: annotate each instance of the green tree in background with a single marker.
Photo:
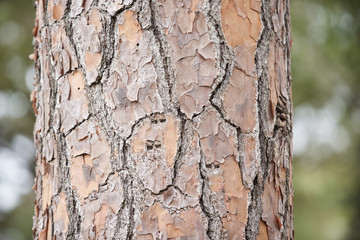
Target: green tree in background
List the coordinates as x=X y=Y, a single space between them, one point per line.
x=326 y=86
x=16 y=120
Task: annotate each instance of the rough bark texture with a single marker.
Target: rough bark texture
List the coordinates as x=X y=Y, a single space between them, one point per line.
x=163 y=119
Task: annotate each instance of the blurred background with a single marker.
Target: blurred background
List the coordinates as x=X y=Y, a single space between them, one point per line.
x=326 y=94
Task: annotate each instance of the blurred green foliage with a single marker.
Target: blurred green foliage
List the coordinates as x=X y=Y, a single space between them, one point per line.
x=16 y=23
x=325 y=72
x=326 y=94
x=16 y=116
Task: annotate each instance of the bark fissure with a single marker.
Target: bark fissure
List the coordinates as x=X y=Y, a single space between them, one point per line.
x=69 y=29
x=108 y=43
x=214 y=221
x=131 y=219
x=46 y=15
x=53 y=96
x=139 y=121
x=162 y=191
x=164 y=60
x=281 y=132
x=75 y=218
x=241 y=161
x=124 y=150
x=78 y=124
x=180 y=149
x=288 y=206
x=255 y=207
x=225 y=63
x=169 y=100
x=125 y=222
x=214 y=97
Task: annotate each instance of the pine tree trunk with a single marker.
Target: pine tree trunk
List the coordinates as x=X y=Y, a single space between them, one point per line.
x=163 y=119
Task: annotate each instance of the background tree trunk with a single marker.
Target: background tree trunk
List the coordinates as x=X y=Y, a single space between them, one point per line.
x=163 y=119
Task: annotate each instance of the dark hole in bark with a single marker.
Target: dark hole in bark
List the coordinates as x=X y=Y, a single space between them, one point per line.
x=149 y=145
x=282 y=117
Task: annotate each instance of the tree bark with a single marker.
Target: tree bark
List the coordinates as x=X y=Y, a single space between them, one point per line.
x=163 y=119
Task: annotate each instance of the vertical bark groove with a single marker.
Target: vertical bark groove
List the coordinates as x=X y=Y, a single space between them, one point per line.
x=255 y=208
x=164 y=60
x=266 y=135
x=214 y=221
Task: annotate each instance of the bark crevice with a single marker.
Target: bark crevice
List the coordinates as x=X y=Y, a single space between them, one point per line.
x=180 y=152
x=261 y=56
x=281 y=133
x=162 y=63
x=214 y=228
x=225 y=62
x=72 y=202
x=107 y=44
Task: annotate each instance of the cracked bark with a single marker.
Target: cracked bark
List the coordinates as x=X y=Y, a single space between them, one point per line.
x=162 y=119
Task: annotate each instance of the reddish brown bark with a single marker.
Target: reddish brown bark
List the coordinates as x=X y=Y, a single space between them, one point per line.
x=163 y=119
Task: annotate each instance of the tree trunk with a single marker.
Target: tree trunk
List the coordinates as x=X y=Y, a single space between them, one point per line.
x=163 y=119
